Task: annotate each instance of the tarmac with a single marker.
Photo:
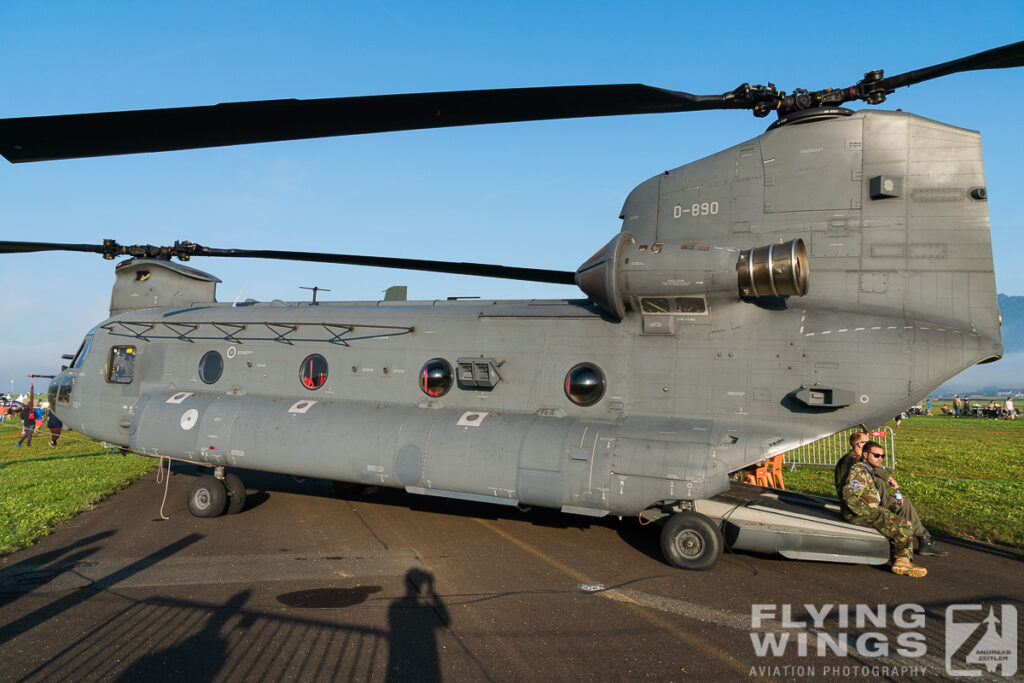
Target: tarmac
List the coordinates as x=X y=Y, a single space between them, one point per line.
x=307 y=585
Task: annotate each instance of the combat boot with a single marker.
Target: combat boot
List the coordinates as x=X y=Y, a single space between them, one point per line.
x=906 y=567
x=927 y=547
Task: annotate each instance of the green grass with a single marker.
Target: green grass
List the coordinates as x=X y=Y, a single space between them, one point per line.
x=963 y=476
x=42 y=486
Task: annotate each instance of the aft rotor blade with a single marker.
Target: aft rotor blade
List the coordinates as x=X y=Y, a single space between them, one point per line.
x=43 y=138
x=1005 y=57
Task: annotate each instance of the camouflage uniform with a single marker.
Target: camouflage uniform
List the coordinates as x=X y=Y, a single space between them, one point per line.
x=862 y=507
x=842 y=470
x=905 y=511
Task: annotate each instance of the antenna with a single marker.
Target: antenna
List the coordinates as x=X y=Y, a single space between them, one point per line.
x=315 y=290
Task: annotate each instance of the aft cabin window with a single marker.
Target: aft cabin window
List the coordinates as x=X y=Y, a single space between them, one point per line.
x=584 y=384
x=121 y=366
x=436 y=377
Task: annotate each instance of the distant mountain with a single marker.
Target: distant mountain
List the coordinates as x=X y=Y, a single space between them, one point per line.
x=1012 y=310
x=1004 y=376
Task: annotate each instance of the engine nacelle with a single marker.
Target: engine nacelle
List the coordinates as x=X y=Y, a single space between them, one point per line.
x=623 y=270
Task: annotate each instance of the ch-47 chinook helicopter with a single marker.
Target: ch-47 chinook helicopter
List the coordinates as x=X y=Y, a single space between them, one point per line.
x=826 y=273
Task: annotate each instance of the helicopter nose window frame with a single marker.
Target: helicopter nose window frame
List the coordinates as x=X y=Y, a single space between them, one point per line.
x=585 y=384
x=313 y=371
x=82 y=352
x=436 y=377
x=211 y=367
x=121 y=364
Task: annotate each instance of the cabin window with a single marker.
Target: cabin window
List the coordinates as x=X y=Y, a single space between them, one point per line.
x=121 y=366
x=83 y=351
x=313 y=372
x=64 y=390
x=436 y=377
x=584 y=384
x=211 y=365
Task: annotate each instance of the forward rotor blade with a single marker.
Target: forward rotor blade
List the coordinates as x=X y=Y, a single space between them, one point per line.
x=561 y=277
x=157 y=130
x=1005 y=57
x=185 y=250
x=28 y=247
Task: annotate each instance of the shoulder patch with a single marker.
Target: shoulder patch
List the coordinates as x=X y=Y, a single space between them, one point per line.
x=856 y=485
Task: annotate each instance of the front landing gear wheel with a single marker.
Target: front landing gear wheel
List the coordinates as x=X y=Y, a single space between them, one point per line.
x=207 y=497
x=689 y=540
x=236 y=492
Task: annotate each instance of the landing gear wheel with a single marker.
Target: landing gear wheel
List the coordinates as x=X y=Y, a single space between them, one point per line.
x=236 y=492
x=207 y=497
x=689 y=540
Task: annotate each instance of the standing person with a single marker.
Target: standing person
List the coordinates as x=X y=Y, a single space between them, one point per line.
x=957 y=405
x=1008 y=408
x=55 y=426
x=861 y=506
x=28 y=425
x=928 y=408
x=842 y=470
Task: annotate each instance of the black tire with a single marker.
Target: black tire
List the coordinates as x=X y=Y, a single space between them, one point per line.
x=236 y=493
x=689 y=540
x=207 y=497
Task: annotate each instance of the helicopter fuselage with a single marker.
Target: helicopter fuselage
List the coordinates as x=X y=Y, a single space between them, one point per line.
x=686 y=375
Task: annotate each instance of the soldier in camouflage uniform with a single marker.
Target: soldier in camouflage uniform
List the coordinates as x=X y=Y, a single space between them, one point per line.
x=861 y=505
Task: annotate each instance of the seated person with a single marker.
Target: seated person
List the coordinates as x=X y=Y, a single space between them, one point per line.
x=860 y=502
x=842 y=470
x=893 y=501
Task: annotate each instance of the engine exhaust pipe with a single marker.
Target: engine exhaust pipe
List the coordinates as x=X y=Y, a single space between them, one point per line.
x=775 y=270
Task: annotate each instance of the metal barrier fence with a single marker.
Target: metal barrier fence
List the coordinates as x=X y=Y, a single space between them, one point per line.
x=826 y=452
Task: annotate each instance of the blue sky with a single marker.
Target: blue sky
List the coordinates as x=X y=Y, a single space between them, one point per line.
x=544 y=195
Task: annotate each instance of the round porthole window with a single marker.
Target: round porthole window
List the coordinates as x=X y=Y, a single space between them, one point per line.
x=584 y=384
x=436 y=377
x=211 y=365
x=313 y=372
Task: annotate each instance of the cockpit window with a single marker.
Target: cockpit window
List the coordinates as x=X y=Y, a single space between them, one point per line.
x=121 y=366
x=82 y=352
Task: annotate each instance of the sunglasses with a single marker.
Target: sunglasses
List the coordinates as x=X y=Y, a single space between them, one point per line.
x=875 y=454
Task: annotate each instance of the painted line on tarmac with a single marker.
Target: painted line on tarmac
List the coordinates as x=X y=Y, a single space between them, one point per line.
x=621 y=596
x=690 y=610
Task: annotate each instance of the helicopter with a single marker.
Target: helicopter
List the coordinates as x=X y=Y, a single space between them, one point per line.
x=824 y=274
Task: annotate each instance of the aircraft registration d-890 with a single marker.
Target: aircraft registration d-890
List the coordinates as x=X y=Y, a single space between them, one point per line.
x=826 y=273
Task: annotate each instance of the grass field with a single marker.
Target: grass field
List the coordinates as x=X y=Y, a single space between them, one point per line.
x=42 y=486
x=964 y=476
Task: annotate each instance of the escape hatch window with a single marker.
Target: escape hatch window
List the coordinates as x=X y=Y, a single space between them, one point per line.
x=584 y=384
x=121 y=366
x=313 y=372
x=436 y=377
x=211 y=365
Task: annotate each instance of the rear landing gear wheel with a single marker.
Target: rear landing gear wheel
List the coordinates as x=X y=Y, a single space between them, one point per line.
x=689 y=540
x=236 y=493
x=207 y=497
